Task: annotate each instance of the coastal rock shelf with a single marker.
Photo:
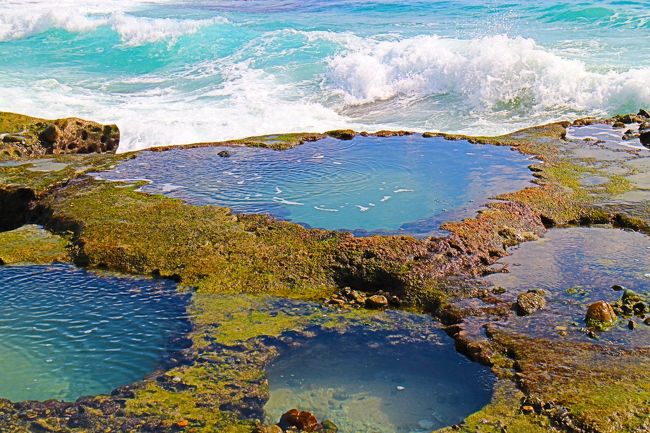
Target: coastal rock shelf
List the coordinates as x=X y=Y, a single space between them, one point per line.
x=402 y=377
x=67 y=332
x=576 y=267
x=391 y=185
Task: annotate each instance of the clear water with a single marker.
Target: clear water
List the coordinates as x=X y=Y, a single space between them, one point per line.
x=369 y=184
x=408 y=378
x=67 y=332
x=588 y=260
x=174 y=71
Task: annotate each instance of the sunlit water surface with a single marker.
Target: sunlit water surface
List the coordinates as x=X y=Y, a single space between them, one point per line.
x=67 y=332
x=369 y=184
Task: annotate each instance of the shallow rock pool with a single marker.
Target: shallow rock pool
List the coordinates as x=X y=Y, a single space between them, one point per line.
x=365 y=185
x=66 y=332
x=575 y=267
x=404 y=376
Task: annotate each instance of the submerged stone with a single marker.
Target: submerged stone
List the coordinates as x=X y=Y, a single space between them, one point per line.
x=530 y=302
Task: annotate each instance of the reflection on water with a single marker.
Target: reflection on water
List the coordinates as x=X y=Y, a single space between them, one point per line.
x=405 y=379
x=369 y=184
x=575 y=267
x=66 y=332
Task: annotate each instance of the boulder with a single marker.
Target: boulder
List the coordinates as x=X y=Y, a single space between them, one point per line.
x=224 y=154
x=74 y=135
x=644 y=113
x=530 y=302
x=302 y=420
x=377 y=301
x=600 y=315
x=645 y=138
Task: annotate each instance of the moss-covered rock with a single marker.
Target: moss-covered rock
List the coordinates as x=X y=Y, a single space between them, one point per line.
x=32 y=244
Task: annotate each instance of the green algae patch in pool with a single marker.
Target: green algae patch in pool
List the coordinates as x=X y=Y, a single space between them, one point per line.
x=66 y=332
x=403 y=376
x=576 y=267
x=388 y=185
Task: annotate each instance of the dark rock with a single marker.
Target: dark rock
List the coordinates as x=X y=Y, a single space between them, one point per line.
x=530 y=302
x=14 y=138
x=342 y=134
x=377 y=301
x=303 y=420
x=289 y=419
x=647 y=321
x=224 y=154
x=644 y=113
x=600 y=315
x=645 y=138
x=631 y=324
x=618 y=287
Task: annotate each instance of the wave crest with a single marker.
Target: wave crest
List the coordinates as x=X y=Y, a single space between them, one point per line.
x=488 y=73
x=23 y=20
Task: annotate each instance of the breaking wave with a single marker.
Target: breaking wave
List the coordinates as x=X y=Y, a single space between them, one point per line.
x=494 y=72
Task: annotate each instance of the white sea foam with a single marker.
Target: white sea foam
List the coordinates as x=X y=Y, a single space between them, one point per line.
x=287 y=202
x=486 y=72
x=21 y=19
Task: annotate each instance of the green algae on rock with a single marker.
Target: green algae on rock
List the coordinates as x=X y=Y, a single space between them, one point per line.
x=32 y=244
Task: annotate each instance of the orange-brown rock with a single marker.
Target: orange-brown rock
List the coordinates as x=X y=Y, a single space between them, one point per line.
x=600 y=314
x=74 y=135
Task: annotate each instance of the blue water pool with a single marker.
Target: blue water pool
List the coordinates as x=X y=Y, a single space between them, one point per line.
x=405 y=378
x=367 y=185
x=67 y=332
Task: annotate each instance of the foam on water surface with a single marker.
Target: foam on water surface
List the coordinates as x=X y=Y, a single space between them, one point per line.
x=367 y=185
x=67 y=332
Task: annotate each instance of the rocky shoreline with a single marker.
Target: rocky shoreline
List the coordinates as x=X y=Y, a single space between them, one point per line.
x=219 y=384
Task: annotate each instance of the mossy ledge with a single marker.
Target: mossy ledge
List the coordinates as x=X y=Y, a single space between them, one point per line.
x=218 y=253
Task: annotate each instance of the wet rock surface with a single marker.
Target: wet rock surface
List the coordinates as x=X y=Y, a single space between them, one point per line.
x=530 y=302
x=600 y=315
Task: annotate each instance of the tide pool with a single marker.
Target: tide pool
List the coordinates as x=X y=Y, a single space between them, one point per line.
x=405 y=378
x=66 y=332
x=394 y=185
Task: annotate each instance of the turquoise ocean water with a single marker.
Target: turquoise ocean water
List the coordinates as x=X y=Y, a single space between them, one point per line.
x=170 y=72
